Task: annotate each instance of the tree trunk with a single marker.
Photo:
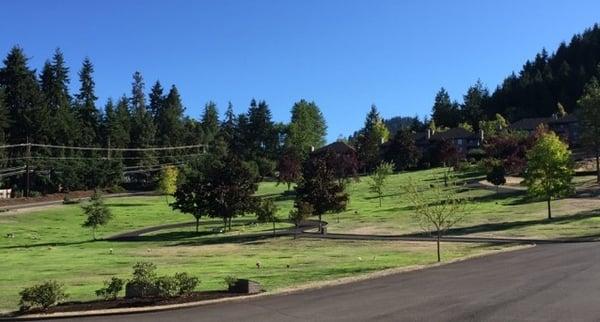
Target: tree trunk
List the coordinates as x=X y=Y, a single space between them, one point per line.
x=380 y=197
x=549 y=209
x=230 y=223
x=439 y=258
x=320 y=225
x=224 y=223
x=197 y=224
x=94 y=233
x=597 y=165
x=289 y=184
x=273 y=227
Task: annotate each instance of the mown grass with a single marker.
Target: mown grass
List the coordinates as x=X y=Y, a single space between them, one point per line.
x=51 y=244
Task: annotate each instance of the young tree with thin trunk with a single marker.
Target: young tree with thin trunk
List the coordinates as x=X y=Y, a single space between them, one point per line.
x=589 y=105
x=436 y=208
x=378 y=179
x=549 y=169
x=97 y=213
x=267 y=212
x=168 y=181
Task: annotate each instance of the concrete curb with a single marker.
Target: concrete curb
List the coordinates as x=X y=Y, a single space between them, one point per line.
x=306 y=287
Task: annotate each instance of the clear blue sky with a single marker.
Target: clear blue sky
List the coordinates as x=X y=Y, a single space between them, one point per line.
x=345 y=55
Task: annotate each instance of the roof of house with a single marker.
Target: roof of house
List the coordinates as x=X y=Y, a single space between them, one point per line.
x=336 y=147
x=453 y=133
x=531 y=124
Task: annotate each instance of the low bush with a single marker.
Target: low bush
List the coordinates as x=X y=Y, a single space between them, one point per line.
x=111 y=288
x=145 y=283
x=186 y=283
x=166 y=286
x=230 y=280
x=42 y=295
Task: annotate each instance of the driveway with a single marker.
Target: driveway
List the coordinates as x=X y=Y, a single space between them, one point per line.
x=550 y=282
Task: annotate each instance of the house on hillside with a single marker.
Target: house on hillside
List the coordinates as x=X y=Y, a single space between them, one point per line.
x=464 y=140
x=337 y=147
x=567 y=127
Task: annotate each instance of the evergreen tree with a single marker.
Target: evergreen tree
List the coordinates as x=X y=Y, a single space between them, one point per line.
x=89 y=115
x=4 y=122
x=590 y=112
x=142 y=125
x=444 y=111
x=402 y=151
x=23 y=100
x=54 y=84
x=261 y=132
x=370 y=138
x=169 y=120
x=116 y=124
x=228 y=127
x=472 y=109
x=157 y=101
x=210 y=122
x=307 y=128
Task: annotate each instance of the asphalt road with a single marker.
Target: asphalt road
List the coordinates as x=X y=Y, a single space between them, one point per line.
x=552 y=282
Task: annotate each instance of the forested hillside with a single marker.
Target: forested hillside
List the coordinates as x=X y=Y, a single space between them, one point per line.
x=543 y=83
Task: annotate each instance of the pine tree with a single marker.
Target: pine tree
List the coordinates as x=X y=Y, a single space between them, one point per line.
x=116 y=124
x=210 y=122
x=444 y=111
x=88 y=114
x=370 y=138
x=157 y=100
x=228 y=127
x=23 y=100
x=142 y=125
x=55 y=83
x=262 y=134
x=472 y=109
x=169 y=120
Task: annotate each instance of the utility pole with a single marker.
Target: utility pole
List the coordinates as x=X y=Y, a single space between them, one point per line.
x=108 y=150
x=27 y=161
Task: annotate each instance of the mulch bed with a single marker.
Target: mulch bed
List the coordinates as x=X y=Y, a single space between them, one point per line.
x=44 y=198
x=130 y=303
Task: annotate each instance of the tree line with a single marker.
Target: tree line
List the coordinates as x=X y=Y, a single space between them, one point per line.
x=39 y=108
x=543 y=84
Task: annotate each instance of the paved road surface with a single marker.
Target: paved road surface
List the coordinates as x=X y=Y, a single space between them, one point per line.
x=553 y=282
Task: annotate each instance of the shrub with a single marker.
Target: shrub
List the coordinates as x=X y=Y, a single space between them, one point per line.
x=230 y=280
x=44 y=295
x=166 y=286
x=186 y=283
x=144 y=272
x=111 y=288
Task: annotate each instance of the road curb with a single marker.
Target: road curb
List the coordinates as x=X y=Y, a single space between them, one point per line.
x=285 y=291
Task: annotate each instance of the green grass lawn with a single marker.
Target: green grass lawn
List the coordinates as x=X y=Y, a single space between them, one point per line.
x=51 y=244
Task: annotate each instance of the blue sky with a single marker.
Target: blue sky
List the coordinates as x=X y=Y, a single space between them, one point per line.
x=344 y=55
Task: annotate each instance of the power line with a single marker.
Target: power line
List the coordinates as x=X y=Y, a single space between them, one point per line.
x=64 y=147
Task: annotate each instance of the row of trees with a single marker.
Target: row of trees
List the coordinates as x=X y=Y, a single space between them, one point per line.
x=39 y=108
x=547 y=81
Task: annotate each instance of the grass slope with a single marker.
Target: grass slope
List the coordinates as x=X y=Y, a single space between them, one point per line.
x=51 y=244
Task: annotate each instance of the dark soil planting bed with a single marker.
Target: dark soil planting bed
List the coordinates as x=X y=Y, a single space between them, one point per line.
x=131 y=303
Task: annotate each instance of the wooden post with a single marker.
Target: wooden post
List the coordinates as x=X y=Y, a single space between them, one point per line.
x=27 y=160
x=108 y=150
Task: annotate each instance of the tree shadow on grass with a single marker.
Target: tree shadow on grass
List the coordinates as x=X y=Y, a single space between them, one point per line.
x=52 y=244
x=126 y=205
x=502 y=226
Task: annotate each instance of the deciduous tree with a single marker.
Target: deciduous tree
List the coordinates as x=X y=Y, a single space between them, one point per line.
x=437 y=209
x=97 y=213
x=378 y=179
x=549 y=169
